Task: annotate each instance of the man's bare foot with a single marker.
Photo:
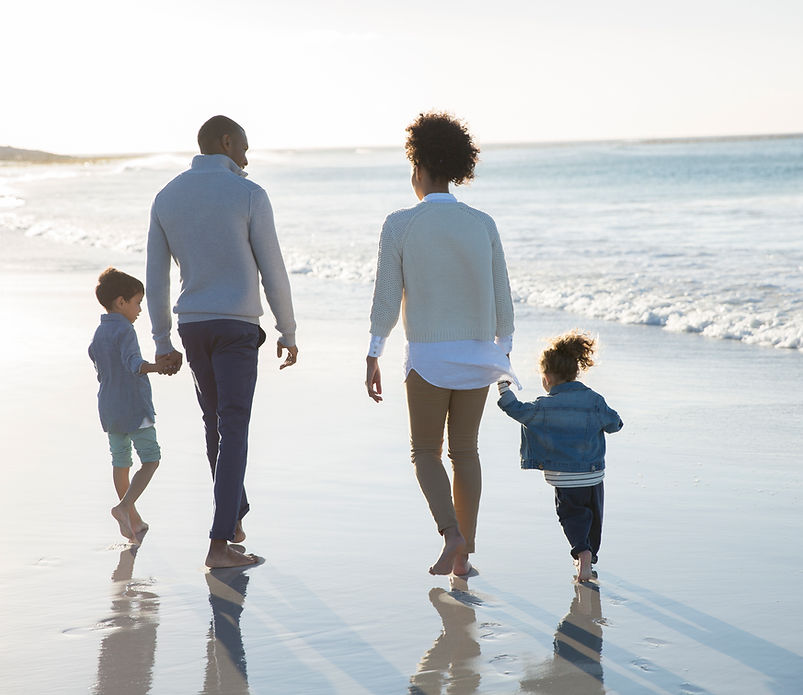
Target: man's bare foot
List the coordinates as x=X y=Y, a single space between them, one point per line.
x=221 y=554
x=452 y=542
x=239 y=534
x=120 y=514
x=461 y=566
x=583 y=565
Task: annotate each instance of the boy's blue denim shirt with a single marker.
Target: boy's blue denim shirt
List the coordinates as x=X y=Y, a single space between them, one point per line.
x=124 y=396
x=564 y=430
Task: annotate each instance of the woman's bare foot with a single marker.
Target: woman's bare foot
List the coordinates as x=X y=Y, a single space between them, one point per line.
x=583 y=565
x=121 y=516
x=221 y=554
x=461 y=566
x=239 y=534
x=452 y=542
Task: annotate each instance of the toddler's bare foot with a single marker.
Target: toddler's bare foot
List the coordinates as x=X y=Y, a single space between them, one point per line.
x=461 y=566
x=239 y=534
x=452 y=542
x=226 y=556
x=583 y=565
x=120 y=514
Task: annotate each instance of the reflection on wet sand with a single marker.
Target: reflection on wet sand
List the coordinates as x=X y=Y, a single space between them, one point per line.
x=126 y=656
x=451 y=662
x=575 y=666
x=226 y=672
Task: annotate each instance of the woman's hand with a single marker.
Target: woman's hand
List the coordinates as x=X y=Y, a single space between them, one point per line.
x=373 y=378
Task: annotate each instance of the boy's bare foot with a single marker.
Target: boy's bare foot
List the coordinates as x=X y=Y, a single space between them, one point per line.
x=461 y=566
x=452 y=542
x=221 y=554
x=122 y=518
x=239 y=534
x=137 y=524
x=583 y=565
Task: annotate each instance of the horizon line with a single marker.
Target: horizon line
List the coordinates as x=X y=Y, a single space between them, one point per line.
x=651 y=140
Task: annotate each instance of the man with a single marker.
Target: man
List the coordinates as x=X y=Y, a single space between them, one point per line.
x=219 y=229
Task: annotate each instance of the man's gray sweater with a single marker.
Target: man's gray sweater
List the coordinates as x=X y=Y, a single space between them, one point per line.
x=219 y=228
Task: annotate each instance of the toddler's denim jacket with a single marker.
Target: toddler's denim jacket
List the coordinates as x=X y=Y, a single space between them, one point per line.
x=564 y=430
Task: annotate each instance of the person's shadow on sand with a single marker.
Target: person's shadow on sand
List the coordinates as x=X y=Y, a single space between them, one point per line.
x=451 y=662
x=575 y=666
x=226 y=672
x=127 y=652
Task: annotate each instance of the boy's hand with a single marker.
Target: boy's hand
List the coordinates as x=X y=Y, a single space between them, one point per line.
x=292 y=355
x=169 y=363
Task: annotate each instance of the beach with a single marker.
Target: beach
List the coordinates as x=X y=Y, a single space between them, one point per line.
x=696 y=580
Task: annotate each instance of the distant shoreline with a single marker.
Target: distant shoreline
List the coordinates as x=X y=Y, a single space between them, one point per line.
x=23 y=156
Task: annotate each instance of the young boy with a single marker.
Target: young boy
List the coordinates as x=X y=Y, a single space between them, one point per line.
x=563 y=434
x=124 y=398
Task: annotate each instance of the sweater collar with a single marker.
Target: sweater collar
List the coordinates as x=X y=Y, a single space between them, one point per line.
x=439 y=198
x=210 y=162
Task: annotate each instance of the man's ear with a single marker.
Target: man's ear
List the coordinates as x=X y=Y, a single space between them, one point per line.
x=225 y=143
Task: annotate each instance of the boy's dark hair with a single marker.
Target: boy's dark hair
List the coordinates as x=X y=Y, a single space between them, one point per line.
x=442 y=145
x=568 y=354
x=211 y=132
x=114 y=283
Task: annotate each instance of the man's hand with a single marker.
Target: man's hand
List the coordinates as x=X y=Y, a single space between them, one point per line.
x=373 y=378
x=169 y=363
x=292 y=355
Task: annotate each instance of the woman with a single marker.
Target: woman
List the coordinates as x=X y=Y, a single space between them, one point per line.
x=441 y=262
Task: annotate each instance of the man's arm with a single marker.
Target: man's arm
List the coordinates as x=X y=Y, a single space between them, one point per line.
x=268 y=255
x=157 y=285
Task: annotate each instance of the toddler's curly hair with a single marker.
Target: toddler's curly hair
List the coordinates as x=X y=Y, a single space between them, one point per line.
x=441 y=144
x=568 y=355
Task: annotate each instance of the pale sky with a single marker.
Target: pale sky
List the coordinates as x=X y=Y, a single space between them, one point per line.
x=105 y=76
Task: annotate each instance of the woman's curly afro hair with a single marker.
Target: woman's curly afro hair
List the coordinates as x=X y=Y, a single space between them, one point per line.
x=442 y=145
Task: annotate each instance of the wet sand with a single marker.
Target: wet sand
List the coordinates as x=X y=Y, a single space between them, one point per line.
x=697 y=579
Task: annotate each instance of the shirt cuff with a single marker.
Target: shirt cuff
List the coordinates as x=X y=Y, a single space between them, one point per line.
x=377 y=346
x=505 y=343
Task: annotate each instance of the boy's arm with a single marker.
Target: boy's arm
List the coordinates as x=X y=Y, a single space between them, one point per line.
x=522 y=412
x=130 y=354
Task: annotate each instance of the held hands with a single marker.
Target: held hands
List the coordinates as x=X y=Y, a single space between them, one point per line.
x=373 y=378
x=292 y=355
x=169 y=363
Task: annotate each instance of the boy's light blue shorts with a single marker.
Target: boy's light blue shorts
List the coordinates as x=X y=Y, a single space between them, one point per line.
x=144 y=442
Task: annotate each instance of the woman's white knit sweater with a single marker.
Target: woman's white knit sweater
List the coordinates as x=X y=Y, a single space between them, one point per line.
x=444 y=267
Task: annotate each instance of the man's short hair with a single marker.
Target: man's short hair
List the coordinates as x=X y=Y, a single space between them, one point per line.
x=212 y=132
x=114 y=283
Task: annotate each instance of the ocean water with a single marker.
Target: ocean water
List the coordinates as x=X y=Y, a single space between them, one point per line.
x=701 y=236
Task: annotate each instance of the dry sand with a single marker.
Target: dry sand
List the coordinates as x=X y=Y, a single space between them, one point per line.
x=697 y=576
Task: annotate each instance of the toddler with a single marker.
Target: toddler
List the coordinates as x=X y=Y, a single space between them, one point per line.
x=124 y=397
x=562 y=434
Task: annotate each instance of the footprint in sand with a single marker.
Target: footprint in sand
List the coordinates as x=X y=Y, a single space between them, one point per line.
x=644 y=664
x=47 y=562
